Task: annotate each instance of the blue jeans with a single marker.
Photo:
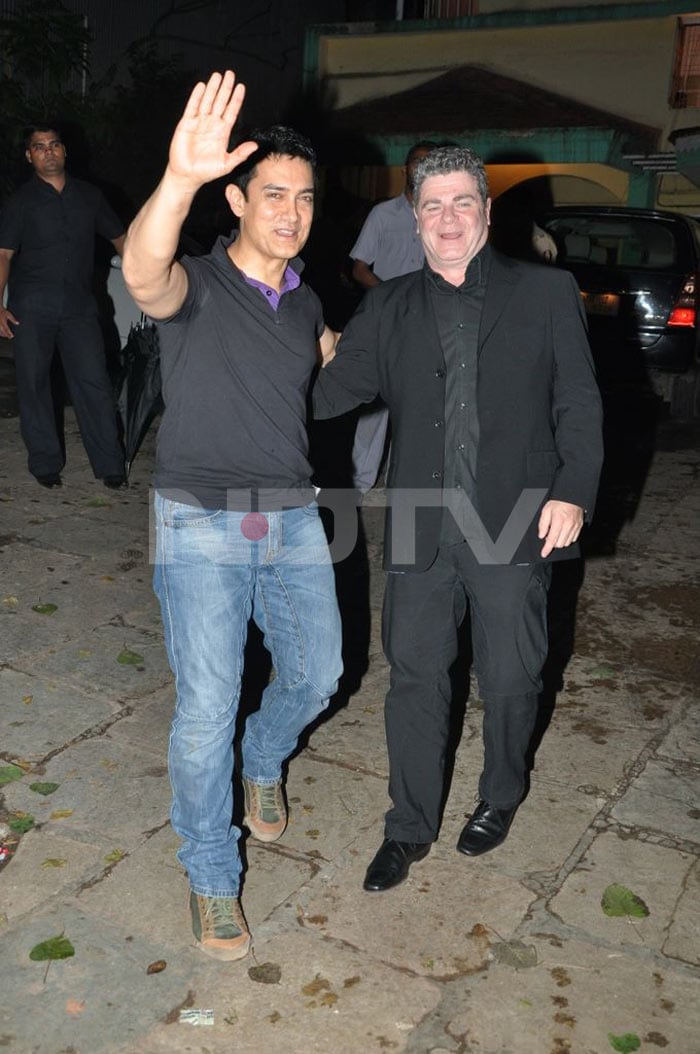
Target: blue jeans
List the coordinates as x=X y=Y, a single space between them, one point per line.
x=210 y=579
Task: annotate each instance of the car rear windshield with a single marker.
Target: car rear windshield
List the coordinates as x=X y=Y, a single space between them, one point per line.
x=611 y=241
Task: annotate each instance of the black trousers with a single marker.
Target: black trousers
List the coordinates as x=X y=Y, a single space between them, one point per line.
x=79 y=342
x=422 y=616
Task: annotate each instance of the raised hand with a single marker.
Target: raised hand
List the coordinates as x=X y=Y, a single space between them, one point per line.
x=199 y=148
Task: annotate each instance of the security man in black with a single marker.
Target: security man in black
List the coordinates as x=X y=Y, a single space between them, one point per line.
x=47 y=246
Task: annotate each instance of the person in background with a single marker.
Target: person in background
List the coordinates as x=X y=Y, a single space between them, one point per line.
x=238 y=529
x=388 y=246
x=47 y=248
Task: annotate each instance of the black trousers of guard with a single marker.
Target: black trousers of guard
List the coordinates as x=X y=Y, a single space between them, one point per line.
x=79 y=342
x=422 y=615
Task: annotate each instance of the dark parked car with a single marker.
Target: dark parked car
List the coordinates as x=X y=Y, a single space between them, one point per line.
x=638 y=271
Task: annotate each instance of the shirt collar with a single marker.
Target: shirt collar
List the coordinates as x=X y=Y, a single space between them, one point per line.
x=477 y=273
x=290 y=278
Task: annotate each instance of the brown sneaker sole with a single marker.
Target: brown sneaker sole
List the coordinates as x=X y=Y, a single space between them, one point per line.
x=226 y=951
x=265 y=832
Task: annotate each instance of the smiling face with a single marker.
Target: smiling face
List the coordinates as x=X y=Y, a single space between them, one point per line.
x=275 y=212
x=46 y=153
x=453 y=222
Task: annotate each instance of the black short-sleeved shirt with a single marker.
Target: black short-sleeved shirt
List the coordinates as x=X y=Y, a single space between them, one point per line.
x=235 y=377
x=53 y=238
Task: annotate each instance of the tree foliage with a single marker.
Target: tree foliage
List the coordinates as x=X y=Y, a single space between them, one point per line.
x=117 y=132
x=45 y=49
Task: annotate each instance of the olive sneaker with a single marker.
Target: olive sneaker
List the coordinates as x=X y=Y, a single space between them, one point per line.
x=265 y=811
x=219 y=926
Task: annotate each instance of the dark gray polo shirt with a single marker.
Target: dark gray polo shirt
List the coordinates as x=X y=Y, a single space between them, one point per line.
x=458 y=316
x=236 y=374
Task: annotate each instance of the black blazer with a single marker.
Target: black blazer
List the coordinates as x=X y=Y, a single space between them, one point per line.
x=538 y=404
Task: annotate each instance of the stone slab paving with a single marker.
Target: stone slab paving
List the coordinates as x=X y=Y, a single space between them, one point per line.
x=90 y=661
x=40 y=717
x=330 y=997
x=89 y=1001
x=570 y=1000
x=507 y=954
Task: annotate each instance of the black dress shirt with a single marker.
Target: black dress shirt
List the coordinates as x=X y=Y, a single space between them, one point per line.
x=53 y=237
x=458 y=316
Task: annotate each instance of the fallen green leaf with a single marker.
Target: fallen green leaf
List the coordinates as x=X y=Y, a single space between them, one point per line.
x=115 y=856
x=53 y=948
x=9 y=773
x=99 y=503
x=625 y=1043
x=602 y=671
x=53 y=861
x=43 y=788
x=619 y=900
x=129 y=658
x=44 y=609
x=22 y=824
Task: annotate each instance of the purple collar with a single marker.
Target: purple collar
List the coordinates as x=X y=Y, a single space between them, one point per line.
x=290 y=281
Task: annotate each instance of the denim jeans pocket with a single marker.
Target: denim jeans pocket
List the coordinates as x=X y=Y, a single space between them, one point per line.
x=178 y=515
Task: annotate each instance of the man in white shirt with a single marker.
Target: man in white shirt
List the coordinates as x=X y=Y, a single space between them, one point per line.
x=388 y=246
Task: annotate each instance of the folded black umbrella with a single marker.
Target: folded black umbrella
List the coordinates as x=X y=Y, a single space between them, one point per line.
x=139 y=398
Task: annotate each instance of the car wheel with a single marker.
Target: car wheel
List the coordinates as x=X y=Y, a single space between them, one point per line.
x=685 y=395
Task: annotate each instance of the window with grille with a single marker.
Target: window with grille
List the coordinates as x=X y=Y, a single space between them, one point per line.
x=449 y=8
x=685 y=83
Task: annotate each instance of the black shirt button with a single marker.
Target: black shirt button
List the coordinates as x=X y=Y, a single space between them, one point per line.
x=437 y=475
x=438 y=424
x=439 y=373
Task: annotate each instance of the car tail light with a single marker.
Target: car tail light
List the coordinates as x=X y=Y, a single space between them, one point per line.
x=683 y=312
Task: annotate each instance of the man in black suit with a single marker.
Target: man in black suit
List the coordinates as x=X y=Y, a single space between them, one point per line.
x=484 y=364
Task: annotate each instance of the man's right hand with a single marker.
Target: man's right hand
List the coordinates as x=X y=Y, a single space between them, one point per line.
x=199 y=148
x=5 y=318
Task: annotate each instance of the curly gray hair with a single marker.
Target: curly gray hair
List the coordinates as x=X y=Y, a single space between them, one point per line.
x=448 y=159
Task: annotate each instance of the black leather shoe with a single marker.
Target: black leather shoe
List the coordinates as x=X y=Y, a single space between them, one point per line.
x=390 y=865
x=115 y=482
x=50 y=479
x=486 y=829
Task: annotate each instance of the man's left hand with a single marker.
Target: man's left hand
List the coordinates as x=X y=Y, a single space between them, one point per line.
x=327 y=344
x=560 y=525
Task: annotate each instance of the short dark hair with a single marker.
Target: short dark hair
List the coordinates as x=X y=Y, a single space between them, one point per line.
x=447 y=159
x=40 y=126
x=419 y=148
x=276 y=141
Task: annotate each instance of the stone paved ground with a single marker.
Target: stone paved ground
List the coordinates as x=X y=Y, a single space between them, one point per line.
x=508 y=954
